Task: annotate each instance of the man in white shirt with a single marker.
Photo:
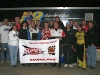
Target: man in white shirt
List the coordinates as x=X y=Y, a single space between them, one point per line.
x=57 y=32
x=4 y=30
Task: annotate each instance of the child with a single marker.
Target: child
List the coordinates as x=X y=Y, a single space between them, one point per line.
x=80 y=48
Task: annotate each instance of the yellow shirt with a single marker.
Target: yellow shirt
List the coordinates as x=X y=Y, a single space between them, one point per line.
x=80 y=37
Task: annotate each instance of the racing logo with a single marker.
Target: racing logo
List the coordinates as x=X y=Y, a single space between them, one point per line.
x=51 y=50
x=32 y=51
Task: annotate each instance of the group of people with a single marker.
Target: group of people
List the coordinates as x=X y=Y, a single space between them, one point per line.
x=76 y=40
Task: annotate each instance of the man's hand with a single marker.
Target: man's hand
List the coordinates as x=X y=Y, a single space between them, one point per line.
x=85 y=49
x=62 y=45
x=60 y=38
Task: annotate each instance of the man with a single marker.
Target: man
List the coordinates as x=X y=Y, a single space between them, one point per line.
x=57 y=32
x=51 y=23
x=92 y=39
x=17 y=23
x=4 y=30
x=38 y=25
x=71 y=23
x=74 y=29
x=84 y=26
x=29 y=16
x=68 y=46
x=29 y=22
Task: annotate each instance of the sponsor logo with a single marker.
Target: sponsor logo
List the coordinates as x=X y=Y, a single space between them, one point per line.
x=32 y=51
x=6 y=29
x=51 y=50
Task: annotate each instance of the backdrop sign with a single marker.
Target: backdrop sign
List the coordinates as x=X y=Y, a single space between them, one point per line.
x=40 y=51
x=46 y=15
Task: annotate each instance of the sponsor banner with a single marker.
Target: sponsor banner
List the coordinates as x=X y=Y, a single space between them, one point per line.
x=39 y=51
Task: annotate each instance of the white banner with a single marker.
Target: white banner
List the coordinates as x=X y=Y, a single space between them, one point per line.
x=39 y=51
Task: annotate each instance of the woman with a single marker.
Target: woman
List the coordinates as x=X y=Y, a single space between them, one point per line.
x=80 y=48
x=24 y=33
x=45 y=32
x=13 y=45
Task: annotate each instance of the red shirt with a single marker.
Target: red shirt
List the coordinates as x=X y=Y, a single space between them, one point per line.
x=85 y=28
x=18 y=26
x=45 y=34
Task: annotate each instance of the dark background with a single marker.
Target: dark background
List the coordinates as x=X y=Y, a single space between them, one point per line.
x=48 y=3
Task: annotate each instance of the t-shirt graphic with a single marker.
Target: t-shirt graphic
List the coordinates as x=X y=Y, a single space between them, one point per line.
x=6 y=29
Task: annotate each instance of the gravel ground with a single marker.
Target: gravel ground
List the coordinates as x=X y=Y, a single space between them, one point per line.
x=6 y=69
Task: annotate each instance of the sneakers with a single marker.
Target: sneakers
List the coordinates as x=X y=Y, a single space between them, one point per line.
x=8 y=61
x=92 y=67
x=70 y=65
x=66 y=65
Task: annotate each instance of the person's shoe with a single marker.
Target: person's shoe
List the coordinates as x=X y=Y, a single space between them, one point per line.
x=1 y=62
x=92 y=67
x=88 y=66
x=70 y=65
x=36 y=64
x=8 y=61
x=83 y=68
x=53 y=65
x=29 y=65
x=78 y=67
x=59 y=66
x=66 y=65
x=14 y=66
x=23 y=64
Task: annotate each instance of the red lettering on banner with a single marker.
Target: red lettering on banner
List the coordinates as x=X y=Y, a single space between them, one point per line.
x=30 y=59
x=42 y=42
x=42 y=59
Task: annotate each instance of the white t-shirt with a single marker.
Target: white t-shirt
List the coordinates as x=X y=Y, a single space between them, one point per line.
x=13 y=38
x=58 y=33
x=31 y=30
x=4 y=30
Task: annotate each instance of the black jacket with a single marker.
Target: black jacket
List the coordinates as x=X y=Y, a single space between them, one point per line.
x=70 y=37
x=23 y=34
x=91 y=37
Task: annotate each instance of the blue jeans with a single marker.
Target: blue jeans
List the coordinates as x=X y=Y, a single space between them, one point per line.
x=4 y=45
x=13 y=55
x=91 y=56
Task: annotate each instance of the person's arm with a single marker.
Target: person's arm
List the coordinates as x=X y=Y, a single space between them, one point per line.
x=28 y=35
x=0 y=30
x=39 y=34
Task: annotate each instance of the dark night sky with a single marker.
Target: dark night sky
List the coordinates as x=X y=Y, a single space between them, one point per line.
x=47 y=3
